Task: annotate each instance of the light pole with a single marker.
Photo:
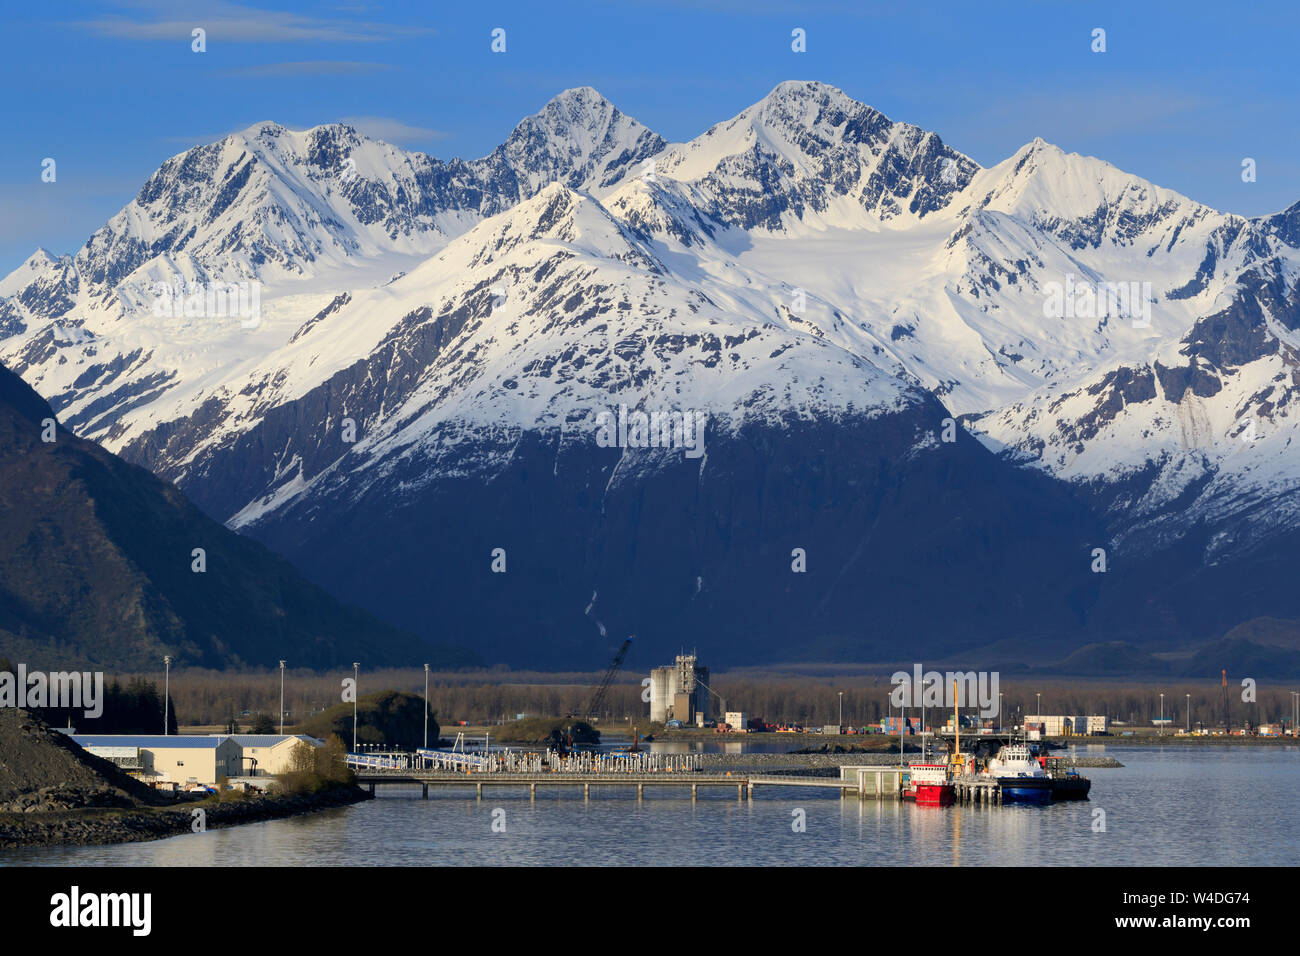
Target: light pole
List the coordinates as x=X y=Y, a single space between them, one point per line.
x=356 y=675
x=1162 y=715
x=167 y=691
x=1001 y=721
x=1039 y=715
x=1189 y=713
x=281 y=698
x=426 y=706
x=841 y=723
x=901 y=711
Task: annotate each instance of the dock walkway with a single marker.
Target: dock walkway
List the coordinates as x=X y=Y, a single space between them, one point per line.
x=870 y=783
x=867 y=782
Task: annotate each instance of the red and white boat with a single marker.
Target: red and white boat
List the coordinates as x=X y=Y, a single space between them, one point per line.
x=930 y=785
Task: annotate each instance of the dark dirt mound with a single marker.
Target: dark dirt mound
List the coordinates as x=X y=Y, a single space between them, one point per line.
x=41 y=769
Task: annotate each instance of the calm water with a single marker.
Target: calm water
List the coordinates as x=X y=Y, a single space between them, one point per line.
x=1181 y=806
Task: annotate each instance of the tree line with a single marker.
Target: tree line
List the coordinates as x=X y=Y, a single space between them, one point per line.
x=248 y=700
x=133 y=707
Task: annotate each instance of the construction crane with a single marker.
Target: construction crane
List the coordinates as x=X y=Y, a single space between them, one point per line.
x=593 y=708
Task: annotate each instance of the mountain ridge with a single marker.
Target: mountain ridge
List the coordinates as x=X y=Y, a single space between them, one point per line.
x=807 y=265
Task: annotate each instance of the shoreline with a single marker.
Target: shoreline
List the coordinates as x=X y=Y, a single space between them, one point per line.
x=773 y=761
x=104 y=827
x=880 y=742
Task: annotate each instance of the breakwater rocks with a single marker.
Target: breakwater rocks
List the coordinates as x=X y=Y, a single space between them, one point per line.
x=771 y=763
x=98 y=826
x=1087 y=761
x=790 y=762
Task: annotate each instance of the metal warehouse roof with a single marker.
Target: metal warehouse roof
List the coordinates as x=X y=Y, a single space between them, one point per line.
x=148 y=741
x=263 y=740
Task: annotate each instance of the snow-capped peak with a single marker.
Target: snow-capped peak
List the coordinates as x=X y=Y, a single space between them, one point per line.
x=1084 y=199
x=578 y=138
x=809 y=250
x=809 y=156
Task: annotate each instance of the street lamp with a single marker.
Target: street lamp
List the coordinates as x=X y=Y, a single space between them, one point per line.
x=901 y=750
x=841 y=723
x=426 y=706
x=1162 y=715
x=356 y=675
x=281 y=698
x=167 y=691
x=1039 y=715
x=1189 y=713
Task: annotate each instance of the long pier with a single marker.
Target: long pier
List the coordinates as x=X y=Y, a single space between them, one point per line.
x=527 y=769
x=881 y=783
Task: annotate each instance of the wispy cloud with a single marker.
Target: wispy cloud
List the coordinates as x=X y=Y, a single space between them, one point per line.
x=393 y=130
x=171 y=20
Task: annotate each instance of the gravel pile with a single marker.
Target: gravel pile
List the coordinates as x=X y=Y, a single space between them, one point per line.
x=43 y=770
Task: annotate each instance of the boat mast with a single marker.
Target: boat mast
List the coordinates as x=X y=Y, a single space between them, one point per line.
x=956 y=722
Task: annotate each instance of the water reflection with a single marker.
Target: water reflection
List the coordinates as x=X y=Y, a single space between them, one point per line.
x=1172 y=806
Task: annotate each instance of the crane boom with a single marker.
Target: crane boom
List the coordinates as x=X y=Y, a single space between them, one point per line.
x=592 y=710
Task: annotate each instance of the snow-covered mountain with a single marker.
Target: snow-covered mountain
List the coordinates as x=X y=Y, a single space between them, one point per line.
x=299 y=216
x=805 y=276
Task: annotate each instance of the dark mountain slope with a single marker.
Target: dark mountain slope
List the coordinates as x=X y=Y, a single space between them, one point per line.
x=911 y=547
x=96 y=563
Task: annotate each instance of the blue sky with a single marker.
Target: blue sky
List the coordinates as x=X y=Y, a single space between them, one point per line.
x=109 y=90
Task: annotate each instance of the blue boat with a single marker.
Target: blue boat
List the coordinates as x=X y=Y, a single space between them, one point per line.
x=1020 y=776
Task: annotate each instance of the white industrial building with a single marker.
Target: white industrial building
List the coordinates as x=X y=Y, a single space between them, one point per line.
x=1062 y=726
x=183 y=758
x=265 y=755
x=680 y=691
x=736 y=720
x=171 y=758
